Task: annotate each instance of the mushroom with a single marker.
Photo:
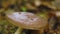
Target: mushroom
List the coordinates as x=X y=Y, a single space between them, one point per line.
x=58 y=14
x=37 y=3
x=26 y=20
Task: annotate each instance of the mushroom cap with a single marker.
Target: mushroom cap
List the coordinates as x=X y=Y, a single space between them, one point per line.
x=26 y=20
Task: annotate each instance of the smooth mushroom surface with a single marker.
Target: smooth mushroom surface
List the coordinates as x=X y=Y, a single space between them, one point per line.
x=26 y=20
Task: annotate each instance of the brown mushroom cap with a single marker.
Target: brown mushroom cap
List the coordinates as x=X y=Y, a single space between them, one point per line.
x=26 y=20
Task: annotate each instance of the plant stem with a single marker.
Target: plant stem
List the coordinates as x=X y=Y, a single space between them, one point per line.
x=19 y=30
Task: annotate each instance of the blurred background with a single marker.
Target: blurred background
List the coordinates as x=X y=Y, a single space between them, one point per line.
x=44 y=8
